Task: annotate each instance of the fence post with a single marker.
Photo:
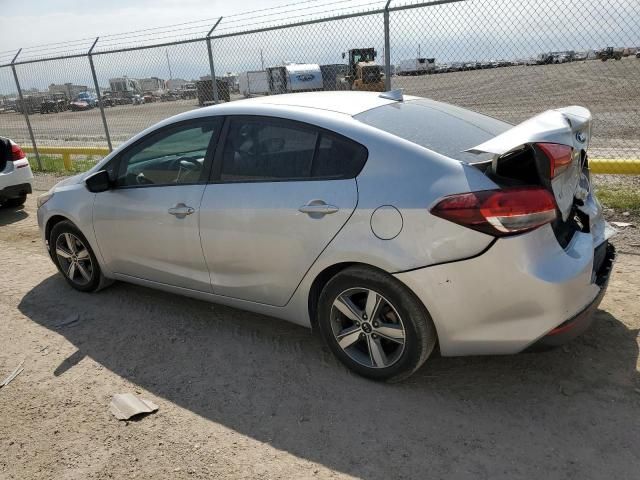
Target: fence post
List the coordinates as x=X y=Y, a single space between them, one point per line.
x=24 y=110
x=214 y=84
x=387 y=49
x=100 y=102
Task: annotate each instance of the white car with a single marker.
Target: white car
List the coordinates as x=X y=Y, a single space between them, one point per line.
x=15 y=174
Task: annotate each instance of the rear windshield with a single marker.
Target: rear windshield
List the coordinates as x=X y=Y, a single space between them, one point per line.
x=437 y=126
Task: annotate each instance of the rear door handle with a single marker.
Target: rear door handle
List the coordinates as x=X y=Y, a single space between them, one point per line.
x=181 y=210
x=318 y=208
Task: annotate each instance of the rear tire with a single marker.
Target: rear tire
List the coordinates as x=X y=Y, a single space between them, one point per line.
x=72 y=254
x=16 y=202
x=374 y=324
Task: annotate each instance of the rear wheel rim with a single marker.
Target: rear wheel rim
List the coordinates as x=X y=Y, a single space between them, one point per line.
x=367 y=328
x=74 y=258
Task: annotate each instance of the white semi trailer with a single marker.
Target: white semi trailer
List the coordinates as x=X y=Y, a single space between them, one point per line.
x=416 y=66
x=253 y=83
x=294 y=77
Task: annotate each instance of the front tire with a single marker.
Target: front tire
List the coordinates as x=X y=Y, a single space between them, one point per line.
x=72 y=254
x=374 y=324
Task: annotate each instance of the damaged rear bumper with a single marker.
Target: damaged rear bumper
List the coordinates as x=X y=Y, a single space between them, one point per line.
x=514 y=294
x=579 y=323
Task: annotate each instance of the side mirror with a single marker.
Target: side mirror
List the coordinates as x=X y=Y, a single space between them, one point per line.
x=98 y=182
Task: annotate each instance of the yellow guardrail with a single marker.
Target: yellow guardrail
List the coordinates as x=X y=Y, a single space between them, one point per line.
x=623 y=166
x=68 y=152
x=598 y=165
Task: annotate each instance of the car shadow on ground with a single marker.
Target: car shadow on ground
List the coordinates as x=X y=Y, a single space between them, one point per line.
x=572 y=408
x=9 y=215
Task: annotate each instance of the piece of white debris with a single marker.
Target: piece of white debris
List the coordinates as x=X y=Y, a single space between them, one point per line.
x=127 y=405
x=622 y=224
x=17 y=371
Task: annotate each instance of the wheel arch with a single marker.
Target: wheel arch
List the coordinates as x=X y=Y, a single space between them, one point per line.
x=52 y=222
x=329 y=272
x=322 y=279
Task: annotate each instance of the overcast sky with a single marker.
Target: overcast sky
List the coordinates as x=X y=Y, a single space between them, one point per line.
x=34 y=22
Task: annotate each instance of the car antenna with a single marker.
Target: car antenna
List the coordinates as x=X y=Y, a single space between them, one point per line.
x=395 y=95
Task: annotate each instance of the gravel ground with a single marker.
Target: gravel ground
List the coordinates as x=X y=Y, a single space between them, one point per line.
x=244 y=396
x=513 y=94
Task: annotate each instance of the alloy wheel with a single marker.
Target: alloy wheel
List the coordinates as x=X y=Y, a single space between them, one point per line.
x=367 y=328
x=74 y=258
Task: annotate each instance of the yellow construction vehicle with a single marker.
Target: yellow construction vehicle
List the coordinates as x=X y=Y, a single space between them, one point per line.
x=363 y=72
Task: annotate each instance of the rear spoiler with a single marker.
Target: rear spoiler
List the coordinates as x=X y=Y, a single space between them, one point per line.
x=567 y=126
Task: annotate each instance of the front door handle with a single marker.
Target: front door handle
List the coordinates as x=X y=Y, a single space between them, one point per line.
x=318 y=208
x=181 y=210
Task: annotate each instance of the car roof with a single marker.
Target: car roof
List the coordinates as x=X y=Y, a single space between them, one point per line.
x=347 y=102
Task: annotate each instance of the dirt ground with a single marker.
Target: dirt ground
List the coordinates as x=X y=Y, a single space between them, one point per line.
x=245 y=396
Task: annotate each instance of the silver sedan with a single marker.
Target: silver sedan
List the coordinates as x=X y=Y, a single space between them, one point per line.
x=390 y=224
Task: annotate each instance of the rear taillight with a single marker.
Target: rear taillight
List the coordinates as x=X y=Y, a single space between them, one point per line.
x=499 y=212
x=16 y=152
x=560 y=156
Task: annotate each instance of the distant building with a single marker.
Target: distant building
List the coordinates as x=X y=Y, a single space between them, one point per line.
x=69 y=89
x=152 y=84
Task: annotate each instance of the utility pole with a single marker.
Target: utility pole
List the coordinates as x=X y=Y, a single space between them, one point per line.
x=418 y=50
x=261 y=60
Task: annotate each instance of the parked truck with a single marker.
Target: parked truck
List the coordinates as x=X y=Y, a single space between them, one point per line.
x=416 y=66
x=610 y=53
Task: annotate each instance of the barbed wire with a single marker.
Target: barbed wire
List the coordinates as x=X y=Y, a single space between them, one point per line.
x=191 y=29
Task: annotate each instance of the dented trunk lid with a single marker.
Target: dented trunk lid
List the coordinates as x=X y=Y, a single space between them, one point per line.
x=566 y=126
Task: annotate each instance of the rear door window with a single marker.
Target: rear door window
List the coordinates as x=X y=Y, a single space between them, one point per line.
x=267 y=150
x=270 y=149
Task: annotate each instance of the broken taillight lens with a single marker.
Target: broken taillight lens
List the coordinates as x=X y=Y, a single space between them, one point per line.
x=499 y=212
x=559 y=156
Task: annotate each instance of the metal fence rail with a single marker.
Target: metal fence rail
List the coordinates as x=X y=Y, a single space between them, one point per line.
x=510 y=60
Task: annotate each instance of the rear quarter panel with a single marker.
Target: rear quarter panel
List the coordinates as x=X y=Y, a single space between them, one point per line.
x=411 y=179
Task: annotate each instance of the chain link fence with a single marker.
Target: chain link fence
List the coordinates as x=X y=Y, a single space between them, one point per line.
x=510 y=60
